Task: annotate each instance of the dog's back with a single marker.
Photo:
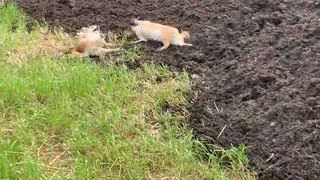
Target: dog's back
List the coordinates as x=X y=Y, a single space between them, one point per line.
x=84 y=45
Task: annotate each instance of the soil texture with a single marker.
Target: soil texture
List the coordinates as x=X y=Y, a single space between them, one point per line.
x=254 y=66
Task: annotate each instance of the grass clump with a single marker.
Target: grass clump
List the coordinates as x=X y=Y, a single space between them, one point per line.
x=22 y=40
x=64 y=118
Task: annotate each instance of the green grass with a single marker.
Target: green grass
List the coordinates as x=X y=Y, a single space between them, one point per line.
x=64 y=118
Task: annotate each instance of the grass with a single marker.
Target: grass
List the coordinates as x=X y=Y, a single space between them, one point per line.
x=64 y=118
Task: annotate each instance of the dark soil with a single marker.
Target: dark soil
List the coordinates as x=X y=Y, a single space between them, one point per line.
x=254 y=63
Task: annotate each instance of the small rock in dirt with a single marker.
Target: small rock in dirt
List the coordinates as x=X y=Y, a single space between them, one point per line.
x=314 y=91
x=314 y=81
x=316 y=4
x=269 y=52
x=63 y=1
x=312 y=101
x=246 y=10
x=293 y=93
x=231 y=65
x=195 y=76
x=250 y=103
x=198 y=57
x=281 y=83
x=246 y=96
x=267 y=78
x=273 y=123
x=72 y=3
x=313 y=88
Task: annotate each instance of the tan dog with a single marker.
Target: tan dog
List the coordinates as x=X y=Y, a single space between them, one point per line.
x=146 y=30
x=91 y=42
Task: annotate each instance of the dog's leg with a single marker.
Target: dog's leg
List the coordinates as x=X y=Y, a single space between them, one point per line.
x=166 y=44
x=110 y=50
x=140 y=40
x=105 y=51
x=186 y=44
x=101 y=52
x=140 y=36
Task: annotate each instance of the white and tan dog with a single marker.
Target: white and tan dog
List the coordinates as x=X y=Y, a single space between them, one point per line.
x=146 y=30
x=90 y=41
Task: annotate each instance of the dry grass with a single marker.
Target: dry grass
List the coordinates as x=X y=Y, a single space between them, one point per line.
x=41 y=43
x=55 y=157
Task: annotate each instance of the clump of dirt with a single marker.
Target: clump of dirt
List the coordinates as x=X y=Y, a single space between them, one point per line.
x=254 y=63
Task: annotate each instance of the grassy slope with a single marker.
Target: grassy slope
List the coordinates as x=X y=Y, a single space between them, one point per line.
x=70 y=118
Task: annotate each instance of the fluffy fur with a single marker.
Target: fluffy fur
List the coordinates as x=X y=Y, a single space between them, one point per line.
x=146 y=30
x=91 y=42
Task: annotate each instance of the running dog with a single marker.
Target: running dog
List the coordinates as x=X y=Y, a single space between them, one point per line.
x=146 y=30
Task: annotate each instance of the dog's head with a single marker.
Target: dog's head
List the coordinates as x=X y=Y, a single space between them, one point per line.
x=185 y=34
x=91 y=32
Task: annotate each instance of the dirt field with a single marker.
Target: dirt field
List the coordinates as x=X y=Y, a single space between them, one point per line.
x=255 y=65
